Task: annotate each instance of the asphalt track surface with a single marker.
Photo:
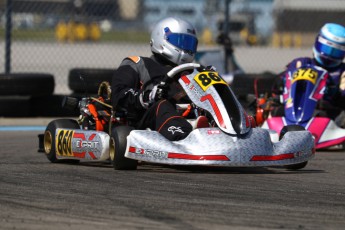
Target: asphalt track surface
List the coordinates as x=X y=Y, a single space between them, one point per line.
x=36 y=194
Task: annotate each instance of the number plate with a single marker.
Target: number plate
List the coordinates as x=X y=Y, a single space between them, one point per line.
x=63 y=143
x=305 y=74
x=208 y=78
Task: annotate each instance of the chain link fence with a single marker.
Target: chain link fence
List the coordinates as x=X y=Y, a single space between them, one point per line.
x=57 y=36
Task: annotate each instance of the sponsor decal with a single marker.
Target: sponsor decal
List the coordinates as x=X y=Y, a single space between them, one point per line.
x=85 y=145
x=89 y=144
x=211 y=132
x=149 y=152
x=174 y=129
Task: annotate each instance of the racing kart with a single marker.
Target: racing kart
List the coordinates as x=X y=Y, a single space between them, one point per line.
x=303 y=88
x=232 y=139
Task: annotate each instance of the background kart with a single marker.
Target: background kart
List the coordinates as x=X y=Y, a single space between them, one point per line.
x=231 y=140
x=303 y=89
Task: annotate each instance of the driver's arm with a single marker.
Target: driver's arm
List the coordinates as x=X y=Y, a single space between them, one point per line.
x=125 y=88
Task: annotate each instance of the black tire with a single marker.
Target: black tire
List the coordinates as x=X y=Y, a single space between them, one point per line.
x=284 y=130
x=26 y=84
x=14 y=106
x=118 y=143
x=41 y=106
x=50 y=106
x=49 y=136
x=92 y=79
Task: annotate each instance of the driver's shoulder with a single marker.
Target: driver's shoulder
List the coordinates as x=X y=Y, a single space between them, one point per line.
x=132 y=60
x=137 y=60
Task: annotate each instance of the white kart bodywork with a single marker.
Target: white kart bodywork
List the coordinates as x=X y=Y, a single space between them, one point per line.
x=210 y=146
x=233 y=142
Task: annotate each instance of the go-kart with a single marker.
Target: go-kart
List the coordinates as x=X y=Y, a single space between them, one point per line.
x=303 y=88
x=103 y=133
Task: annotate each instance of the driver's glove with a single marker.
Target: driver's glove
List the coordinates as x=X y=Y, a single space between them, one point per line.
x=158 y=92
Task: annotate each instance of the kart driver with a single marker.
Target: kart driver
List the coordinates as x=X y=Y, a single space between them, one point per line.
x=328 y=53
x=136 y=83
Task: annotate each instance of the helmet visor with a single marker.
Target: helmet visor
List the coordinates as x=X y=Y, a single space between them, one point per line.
x=185 y=42
x=330 y=49
x=327 y=61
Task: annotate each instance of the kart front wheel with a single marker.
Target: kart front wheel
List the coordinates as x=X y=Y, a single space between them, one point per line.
x=290 y=128
x=49 y=136
x=118 y=145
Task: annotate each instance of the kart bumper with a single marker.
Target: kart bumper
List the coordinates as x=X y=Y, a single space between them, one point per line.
x=210 y=146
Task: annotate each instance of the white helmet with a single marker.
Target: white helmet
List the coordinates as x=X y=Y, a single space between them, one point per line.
x=175 y=40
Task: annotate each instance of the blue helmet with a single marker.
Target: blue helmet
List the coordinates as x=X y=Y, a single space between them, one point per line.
x=329 y=47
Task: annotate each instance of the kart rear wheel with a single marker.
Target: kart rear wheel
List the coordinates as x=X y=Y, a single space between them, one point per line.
x=290 y=128
x=49 y=136
x=118 y=145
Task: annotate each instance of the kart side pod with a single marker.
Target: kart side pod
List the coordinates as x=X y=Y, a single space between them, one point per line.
x=83 y=145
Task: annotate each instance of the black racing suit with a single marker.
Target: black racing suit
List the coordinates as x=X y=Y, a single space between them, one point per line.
x=136 y=75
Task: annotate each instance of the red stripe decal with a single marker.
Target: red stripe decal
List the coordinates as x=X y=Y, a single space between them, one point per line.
x=185 y=80
x=92 y=136
x=92 y=155
x=215 y=108
x=198 y=157
x=79 y=135
x=79 y=155
x=134 y=150
x=273 y=158
x=185 y=156
x=131 y=149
